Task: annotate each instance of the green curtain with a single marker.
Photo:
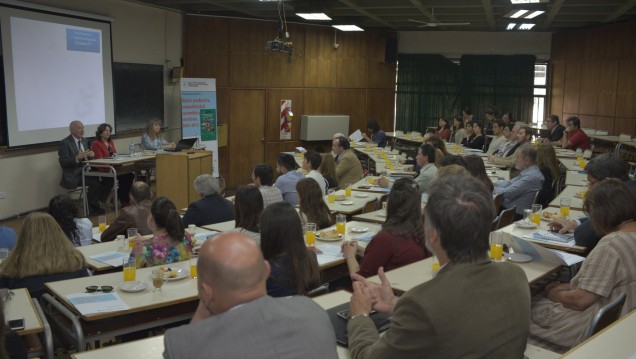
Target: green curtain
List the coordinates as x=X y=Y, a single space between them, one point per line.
x=427 y=88
x=498 y=81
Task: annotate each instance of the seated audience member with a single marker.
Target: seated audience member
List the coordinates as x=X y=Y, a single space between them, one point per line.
x=524 y=135
x=377 y=135
x=7 y=237
x=467 y=115
x=311 y=163
x=328 y=169
x=248 y=206
x=103 y=147
x=11 y=346
x=451 y=170
x=499 y=139
x=451 y=315
x=440 y=149
x=475 y=166
x=507 y=118
x=294 y=268
x=549 y=167
x=454 y=160
x=556 y=129
x=508 y=148
x=428 y=171
x=477 y=139
x=169 y=243
x=151 y=139
x=287 y=177
x=561 y=318
x=401 y=240
x=313 y=208
x=519 y=192
x=574 y=137
x=599 y=168
x=73 y=151
x=42 y=254
x=263 y=178
x=237 y=319
x=212 y=207
x=443 y=131
x=348 y=167
x=133 y=216
x=458 y=133
x=78 y=230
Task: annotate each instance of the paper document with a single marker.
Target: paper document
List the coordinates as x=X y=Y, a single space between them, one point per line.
x=97 y=235
x=566 y=239
x=330 y=253
x=111 y=258
x=93 y=303
x=356 y=136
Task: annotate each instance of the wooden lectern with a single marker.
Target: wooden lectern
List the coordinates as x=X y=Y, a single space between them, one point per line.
x=176 y=173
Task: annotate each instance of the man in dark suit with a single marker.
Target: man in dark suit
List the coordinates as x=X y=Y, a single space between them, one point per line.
x=237 y=319
x=473 y=307
x=556 y=130
x=73 y=151
x=212 y=207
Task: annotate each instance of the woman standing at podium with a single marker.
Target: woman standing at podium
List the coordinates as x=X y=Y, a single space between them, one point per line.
x=150 y=140
x=104 y=147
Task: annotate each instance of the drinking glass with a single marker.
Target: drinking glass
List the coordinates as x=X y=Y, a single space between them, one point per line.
x=102 y=223
x=132 y=233
x=192 y=229
x=310 y=234
x=341 y=222
x=129 y=269
x=121 y=242
x=193 y=268
x=157 y=279
x=331 y=196
x=370 y=180
x=348 y=189
x=536 y=214
x=527 y=216
x=496 y=246
x=565 y=206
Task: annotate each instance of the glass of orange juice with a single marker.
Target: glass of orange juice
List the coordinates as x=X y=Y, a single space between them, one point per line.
x=331 y=196
x=370 y=179
x=193 y=268
x=565 y=207
x=536 y=214
x=310 y=234
x=435 y=266
x=496 y=246
x=341 y=223
x=129 y=269
x=102 y=223
x=348 y=189
x=132 y=233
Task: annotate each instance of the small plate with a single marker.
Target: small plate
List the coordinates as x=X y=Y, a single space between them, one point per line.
x=359 y=229
x=518 y=257
x=524 y=225
x=180 y=274
x=132 y=287
x=347 y=203
x=361 y=195
x=551 y=219
x=340 y=236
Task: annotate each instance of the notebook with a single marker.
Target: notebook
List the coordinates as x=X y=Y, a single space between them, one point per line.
x=382 y=322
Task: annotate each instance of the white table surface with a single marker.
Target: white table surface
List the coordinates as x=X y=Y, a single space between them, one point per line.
x=576 y=178
x=377 y=217
x=149 y=348
x=358 y=203
x=347 y=237
x=98 y=248
x=365 y=182
x=570 y=192
x=570 y=164
x=221 y=227
x=122 y=160
x=565 y=153
x=21 y=306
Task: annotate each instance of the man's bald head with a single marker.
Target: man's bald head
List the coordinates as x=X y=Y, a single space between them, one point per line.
x=232 y=262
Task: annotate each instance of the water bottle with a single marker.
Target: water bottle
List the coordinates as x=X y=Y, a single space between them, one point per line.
x=132 y=148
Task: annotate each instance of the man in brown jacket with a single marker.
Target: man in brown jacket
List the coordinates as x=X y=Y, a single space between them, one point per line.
x=133 y=216
x=348 y=167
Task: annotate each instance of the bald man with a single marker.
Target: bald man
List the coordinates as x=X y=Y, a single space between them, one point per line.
x=237 y=319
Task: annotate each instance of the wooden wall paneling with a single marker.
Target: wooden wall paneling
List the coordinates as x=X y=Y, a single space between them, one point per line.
x=206 y=48
x=248 y=58
x=607 y=84
x=285 y=70
x=626 y=89
x=381 y=107
x=589 y=87
x=246 y=130
x=320 y=57
x=625 y=125
x=557 y=88
x=380 y=74
x=600 y=122
x=320 y=102
x=587 y=121
x=625 y=40
x=272 y=127
x=557 y=51
x=572 y=87
x=352 y=61
x=353 y=102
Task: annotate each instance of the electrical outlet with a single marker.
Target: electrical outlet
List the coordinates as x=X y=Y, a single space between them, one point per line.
x=3 y=195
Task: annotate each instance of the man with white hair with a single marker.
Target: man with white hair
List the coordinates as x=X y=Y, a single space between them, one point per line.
x=212 y=207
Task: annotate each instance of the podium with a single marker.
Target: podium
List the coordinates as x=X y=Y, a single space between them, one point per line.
x=176 y=172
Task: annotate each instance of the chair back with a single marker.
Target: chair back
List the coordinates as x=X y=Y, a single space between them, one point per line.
x=607 y=315
x=370 y=206
x=506 y=217
x=498 y=200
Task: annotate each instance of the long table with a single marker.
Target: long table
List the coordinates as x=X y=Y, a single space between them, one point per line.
x=576 y=178
x=571 y=192
x=354 y=204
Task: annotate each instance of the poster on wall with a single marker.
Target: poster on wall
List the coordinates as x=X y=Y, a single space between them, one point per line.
x=286 y=115
x=198 y=115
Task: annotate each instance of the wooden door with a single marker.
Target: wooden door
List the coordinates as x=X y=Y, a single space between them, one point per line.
x=246 y=134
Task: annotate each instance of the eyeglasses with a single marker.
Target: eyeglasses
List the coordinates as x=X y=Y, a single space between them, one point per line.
x=103 y=289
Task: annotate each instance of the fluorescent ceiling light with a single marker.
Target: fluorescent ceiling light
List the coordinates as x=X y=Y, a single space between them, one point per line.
x=526 y=26
x=518 y=13
x=534 y=14
x=347 y=27
x=526 y=1
x=313 y=15
x=511 y=26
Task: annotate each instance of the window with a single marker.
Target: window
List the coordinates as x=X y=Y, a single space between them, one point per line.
x=540 y=92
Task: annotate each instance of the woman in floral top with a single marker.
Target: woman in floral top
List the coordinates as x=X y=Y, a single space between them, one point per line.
x=169 y=243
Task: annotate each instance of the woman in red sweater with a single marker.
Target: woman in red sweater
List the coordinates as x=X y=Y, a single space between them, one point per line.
x=443 y=131
x=401 y=240
x=103 y=147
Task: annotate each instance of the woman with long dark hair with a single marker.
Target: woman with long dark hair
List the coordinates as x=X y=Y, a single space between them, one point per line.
x=443 y=131
x=248 y=206
x=294 y=268
x=78 y=230
x=477 y=139
x=313 y=208
x=169 y=243
x=475 y=166
x=457 y=131
x=401 y=240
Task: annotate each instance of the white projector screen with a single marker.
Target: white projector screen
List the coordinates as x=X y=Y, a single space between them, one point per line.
x=57 y=69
